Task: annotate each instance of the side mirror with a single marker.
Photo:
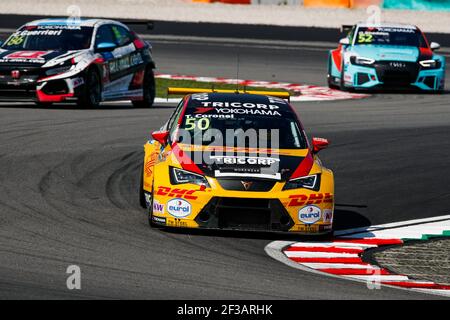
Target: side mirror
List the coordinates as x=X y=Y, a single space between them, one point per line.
x=105 y=47
x=161 y=136
x=344 y=41
x=434 y=46
x=319 y=144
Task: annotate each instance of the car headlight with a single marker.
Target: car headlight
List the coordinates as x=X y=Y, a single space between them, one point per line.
x=430 y=64
x=58 y=70
x=309 y=182
x=179 y=176
x=361 y=60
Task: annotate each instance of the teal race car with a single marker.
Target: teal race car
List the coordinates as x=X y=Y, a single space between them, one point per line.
x=386 y=56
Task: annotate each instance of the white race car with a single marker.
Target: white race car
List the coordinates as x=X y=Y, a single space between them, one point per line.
x=85 y=61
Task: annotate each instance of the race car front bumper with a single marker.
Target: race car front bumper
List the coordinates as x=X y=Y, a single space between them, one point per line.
x=394 y=75
x=301 y=211
x=29 y=88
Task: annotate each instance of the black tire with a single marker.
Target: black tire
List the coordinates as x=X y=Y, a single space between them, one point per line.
x=341 y=81
x=142 y=201
x=149 y=90
x=331 y=85
x=150 y=214
x=92 y=94
x=43 y=104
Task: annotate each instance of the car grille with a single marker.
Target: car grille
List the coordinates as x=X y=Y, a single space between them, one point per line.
x=245 y=214
x=397 y=73
x=22 y=88
x=24 y=69
x=247 y=184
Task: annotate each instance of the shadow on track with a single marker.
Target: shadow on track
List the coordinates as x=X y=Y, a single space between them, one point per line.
x=347 y=219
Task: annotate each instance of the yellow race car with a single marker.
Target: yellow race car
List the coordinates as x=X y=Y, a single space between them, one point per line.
x=236 y=161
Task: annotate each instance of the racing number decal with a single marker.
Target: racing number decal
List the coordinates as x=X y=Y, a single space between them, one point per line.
x=201 y=124
x=15 y=41
x=365 y=38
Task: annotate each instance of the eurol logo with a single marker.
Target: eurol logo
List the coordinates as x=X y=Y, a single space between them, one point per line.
x=309 y=214
x=179 y=208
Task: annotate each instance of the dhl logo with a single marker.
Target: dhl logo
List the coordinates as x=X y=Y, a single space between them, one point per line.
x=314 y=198
x=176 y=193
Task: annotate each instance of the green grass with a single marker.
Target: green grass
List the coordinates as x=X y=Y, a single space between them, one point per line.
x=162 y=84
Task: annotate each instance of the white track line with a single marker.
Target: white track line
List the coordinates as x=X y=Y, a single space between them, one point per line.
x=377 y=278
x=415 y=231
x=337 y=244
x=317 y=265
x=309 y=254
x=391 y=225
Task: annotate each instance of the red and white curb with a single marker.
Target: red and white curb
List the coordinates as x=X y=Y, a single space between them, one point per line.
x=341 y=257
x=306 y=92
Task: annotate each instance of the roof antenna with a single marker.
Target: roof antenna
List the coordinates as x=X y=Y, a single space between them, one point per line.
x=237 y=74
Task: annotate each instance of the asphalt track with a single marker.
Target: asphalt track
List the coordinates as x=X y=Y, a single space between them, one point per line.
x=69 y=180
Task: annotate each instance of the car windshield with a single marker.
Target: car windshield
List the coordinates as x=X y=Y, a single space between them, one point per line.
x=390 y=36
x=50 y=37
x=242 y=130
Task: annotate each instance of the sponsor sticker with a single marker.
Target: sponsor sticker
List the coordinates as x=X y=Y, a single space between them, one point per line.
x=159 y=220
x=298 y=200
x=200 y=96
x=77 y=82
x=25 y=56
x=125 y=62
x=309 y=228
x=179 y=208
x=231 y=108
x=174 y=222
x=158 y=207
x=248 y=111
x=309 y=214
x=260 y=161
x=327 y=215
x=175 y=192
x=249 y=105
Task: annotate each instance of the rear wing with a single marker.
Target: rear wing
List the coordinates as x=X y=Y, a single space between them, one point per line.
x=150 y=25
x=346 y=27
x=184 y=91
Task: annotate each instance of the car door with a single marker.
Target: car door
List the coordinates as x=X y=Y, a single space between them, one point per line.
x=127 y=68
x=105 y=36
